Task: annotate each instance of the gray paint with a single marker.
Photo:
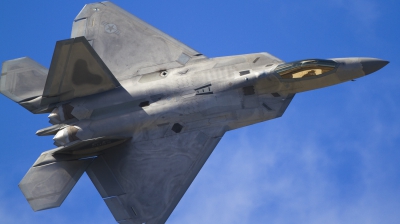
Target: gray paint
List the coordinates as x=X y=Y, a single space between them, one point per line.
x=22 y=79
x=48 y=185
x=75 y=71
x=141 y=112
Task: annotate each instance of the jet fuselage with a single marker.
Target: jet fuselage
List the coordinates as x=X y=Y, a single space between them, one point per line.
x=231 y=91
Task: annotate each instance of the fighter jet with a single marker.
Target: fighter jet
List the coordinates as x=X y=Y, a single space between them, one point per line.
x=140 y=112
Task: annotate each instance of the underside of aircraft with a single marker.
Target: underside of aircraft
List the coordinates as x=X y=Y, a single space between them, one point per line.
x=140 y=112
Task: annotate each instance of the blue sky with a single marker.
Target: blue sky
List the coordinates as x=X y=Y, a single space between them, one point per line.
x=334 y=156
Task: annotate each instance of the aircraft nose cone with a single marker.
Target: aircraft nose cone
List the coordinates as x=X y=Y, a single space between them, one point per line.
x=371 y=65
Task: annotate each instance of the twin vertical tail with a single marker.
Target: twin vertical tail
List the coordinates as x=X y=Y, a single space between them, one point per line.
x=76 y=71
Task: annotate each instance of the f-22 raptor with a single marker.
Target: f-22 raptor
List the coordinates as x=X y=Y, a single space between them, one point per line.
x=140 y=112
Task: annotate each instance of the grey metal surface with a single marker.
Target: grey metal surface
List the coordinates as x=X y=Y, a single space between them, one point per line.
x=127 y=45
x=150 y=131
x=371 y=65
x=147 y=179
x=75 y=71
x=23 y=79
x=48 y=185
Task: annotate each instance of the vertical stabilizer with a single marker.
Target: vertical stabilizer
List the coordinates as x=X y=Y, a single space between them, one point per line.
x=46 y=185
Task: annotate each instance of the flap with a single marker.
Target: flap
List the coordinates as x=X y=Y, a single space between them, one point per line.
x=75 y=71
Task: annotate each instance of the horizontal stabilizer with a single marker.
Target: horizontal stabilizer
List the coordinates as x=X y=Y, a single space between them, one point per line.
x=48 y=185
x=22 y=80
x=75 y=71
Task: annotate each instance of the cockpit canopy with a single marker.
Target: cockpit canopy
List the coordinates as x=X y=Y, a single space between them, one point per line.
x=305 y=68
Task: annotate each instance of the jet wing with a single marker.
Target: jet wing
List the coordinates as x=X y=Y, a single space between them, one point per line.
x=128 y=45
x=142 y=182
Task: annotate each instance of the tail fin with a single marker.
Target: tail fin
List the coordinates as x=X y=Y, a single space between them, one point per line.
x=22 y=80
x=54 y=174
x=46 y=185
x=75 y=71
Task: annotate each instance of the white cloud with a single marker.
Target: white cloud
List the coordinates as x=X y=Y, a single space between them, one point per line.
x=274 y=174
x=363 y=14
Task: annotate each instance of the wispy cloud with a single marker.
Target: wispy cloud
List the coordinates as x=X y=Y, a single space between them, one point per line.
x=278 y=175
x=363 y=14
